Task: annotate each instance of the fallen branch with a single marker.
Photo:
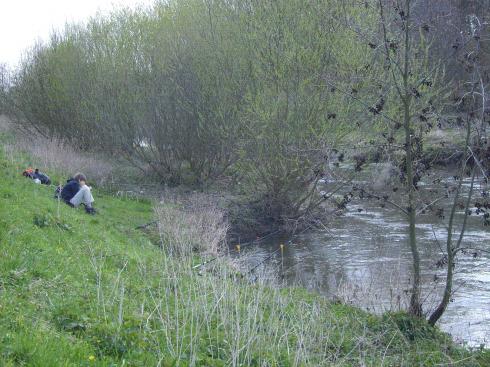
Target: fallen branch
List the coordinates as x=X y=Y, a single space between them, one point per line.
x=146 y=225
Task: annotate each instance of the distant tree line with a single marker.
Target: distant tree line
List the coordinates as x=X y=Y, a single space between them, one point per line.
x=193 y=90
x=258 y=92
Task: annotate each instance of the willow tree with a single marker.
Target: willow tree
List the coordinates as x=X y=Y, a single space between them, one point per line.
x=194 y=87
x=291 y=119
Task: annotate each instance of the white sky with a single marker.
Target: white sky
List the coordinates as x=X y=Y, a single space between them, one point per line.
x=23 y=22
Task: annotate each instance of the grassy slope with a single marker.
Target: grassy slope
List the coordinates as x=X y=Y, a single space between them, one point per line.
x=77 y=290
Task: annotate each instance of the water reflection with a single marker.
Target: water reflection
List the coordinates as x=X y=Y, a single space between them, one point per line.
x=363 y=259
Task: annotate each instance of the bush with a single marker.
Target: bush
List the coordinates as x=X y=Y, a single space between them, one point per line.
x=193 y=225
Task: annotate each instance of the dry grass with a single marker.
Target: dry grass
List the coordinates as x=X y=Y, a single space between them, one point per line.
x=54 y=155
x=214 y=317
x=190 y=225
x=241 y=325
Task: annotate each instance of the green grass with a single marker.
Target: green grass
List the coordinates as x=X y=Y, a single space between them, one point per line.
x=80 y=290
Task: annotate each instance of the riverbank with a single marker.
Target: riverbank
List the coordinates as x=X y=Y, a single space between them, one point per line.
x=79 y=290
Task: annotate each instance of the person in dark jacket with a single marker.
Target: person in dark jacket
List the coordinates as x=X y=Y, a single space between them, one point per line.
x=44 y=178
x=76 y=192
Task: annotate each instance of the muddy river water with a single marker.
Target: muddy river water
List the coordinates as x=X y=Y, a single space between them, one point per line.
x=362 y=257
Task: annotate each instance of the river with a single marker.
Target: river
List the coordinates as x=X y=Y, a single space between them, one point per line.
x=362 y=258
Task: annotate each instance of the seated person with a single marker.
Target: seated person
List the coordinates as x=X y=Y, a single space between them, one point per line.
x=76 y=192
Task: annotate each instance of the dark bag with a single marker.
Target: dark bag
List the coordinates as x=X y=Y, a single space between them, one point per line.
x=36 y=174
x=44 y=178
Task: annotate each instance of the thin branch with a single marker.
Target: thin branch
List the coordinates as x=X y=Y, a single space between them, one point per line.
x=405 y=211
x=343 y=91
x=478 y=163
x=385 y=41
x=429 y=205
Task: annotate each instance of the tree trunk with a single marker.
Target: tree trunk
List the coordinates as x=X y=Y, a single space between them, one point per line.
x=415 y=303
x=450 y=249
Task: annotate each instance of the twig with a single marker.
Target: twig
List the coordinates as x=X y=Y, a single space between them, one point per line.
x=206 y=262
x=437 y=240
x=143 y=226
x=429 y=205
x=263 y=261
x=386 y=200
x=258 y=240
x=478 y=163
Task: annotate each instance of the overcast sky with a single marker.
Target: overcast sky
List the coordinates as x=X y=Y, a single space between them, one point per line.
x=22 y=22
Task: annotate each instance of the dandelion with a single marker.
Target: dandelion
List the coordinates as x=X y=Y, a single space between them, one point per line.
x=91 y=358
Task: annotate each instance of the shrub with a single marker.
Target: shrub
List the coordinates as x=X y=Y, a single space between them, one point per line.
x=195 y=224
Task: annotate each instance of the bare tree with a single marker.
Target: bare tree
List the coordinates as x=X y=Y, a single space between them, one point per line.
x=411 y=104
x=476 y=140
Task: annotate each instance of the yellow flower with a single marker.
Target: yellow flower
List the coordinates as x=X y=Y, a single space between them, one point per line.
x=91 y=358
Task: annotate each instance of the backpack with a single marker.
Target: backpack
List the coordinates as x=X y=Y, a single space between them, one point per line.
x=28 y=172
x=44 y=178
x=37 y=175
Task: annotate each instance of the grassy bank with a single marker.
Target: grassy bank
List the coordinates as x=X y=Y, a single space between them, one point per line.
x=77 y=290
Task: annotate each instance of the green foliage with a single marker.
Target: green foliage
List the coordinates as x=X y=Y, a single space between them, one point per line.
x=4 y=84
x=292 y=116
x=412 y=328
x=46 y=220
x=194 y=90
